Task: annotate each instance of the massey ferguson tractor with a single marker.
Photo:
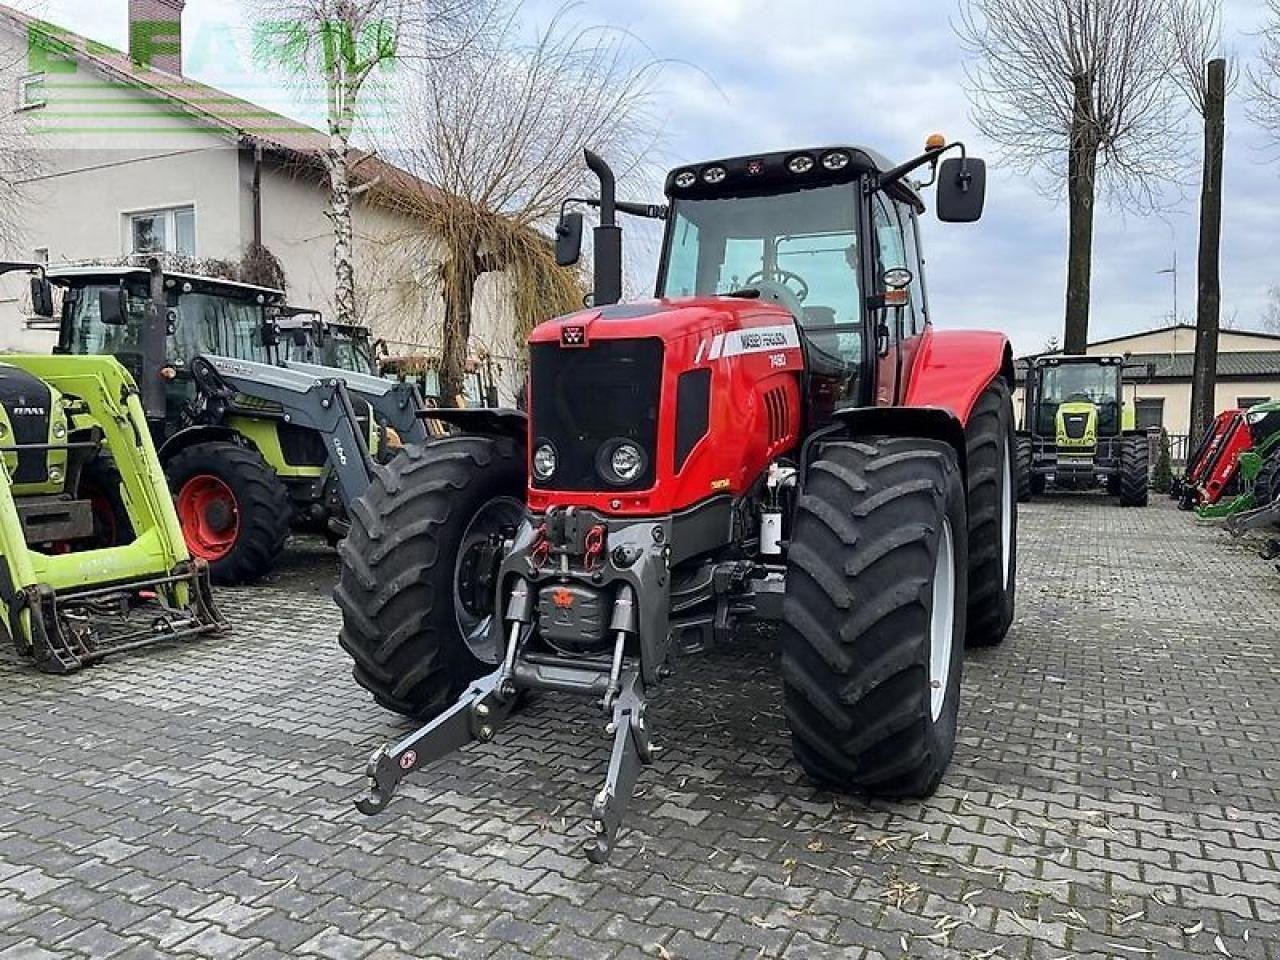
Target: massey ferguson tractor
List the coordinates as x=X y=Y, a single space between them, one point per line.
x=780 y=435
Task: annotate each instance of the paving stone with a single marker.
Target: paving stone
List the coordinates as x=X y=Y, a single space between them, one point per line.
x=213 y=816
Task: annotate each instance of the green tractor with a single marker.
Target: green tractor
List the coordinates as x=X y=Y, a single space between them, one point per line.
x=1079 y=434
x=92 y=560
x=253 y=444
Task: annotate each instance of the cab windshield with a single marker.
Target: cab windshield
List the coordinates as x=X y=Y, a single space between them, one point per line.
x=800 y=249
x=346 y=350
x=1079 y=382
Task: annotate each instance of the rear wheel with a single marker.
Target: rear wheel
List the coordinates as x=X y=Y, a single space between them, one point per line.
x=233 y=509
x=1024 y=469
x=1266 y=486
x=993 y=517
x=416 y=588
x=874 y=615
x=1135 y=472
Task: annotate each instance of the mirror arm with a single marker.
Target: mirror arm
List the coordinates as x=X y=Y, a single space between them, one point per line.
x=898 y=173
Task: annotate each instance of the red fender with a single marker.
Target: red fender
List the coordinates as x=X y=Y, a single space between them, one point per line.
x=953 y=367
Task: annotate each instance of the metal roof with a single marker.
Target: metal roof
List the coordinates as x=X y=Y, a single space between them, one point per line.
x=1236 y=364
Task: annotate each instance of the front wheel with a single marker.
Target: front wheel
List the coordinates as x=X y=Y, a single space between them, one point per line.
x=233 y=509
x=873 y=621
x=1135 y=472
x=416 y=588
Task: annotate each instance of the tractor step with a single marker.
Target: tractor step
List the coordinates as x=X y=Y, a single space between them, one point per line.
x=73 y=630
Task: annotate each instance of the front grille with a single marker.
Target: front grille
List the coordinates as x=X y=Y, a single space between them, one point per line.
x=1075 y=426
x=581 y=398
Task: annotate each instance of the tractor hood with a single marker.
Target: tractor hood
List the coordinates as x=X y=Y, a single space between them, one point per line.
x=667 y=320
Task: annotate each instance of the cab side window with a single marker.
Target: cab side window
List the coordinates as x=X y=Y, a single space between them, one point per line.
x=918 y=310
x=891 y=254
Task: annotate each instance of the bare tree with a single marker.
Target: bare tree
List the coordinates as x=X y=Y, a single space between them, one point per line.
x=21 y=156
x=1078 y=92
x=1205 y=78
x=345 y=47
x=1270 y=318
x=498 y=135
x=1264 y=75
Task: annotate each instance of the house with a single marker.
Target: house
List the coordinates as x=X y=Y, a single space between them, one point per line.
x=1248 y=372
x=126 y=155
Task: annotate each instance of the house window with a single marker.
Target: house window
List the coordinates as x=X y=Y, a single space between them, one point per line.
x=1244 y=403
x=31 y=92
x=164 y=231
x=1150 y=413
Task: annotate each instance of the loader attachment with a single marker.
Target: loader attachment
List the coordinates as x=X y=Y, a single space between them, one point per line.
x=92 y=559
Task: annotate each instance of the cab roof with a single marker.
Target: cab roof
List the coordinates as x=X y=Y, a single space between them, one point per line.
x=82 y=276
x=765 y=173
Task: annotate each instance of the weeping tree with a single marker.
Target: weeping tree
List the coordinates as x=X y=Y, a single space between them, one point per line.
x=1077 y=93
x=498 y=134
x=346 y=48
x=1205 y=78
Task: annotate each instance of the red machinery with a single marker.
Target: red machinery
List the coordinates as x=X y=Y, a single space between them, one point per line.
x=780 y=435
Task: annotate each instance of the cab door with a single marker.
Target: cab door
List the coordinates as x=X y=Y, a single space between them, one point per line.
x=886 y=318
x=915 y=316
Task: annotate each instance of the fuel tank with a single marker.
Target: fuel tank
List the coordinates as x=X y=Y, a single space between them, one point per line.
x=651 y=408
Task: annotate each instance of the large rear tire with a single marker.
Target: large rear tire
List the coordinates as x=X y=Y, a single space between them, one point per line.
x=233 y=509
x=1025 y=456
x=420 y=530
x=1135 y=472
x=993 y=517
x=874 y=615
x=1266 y=486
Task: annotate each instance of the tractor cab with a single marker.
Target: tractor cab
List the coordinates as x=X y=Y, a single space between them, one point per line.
x=303 y=335
x=1078 y=431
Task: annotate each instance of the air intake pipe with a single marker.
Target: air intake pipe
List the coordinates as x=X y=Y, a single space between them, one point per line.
x=608 y=236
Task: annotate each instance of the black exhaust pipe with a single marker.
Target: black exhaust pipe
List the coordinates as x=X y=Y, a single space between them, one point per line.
x=608 y=236
x=155 y=332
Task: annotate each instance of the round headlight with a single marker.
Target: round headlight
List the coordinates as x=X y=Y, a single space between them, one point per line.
x=59 y=431
x=836 y=160
x=686 y=179
x=544 y=462
x=714 y=175
x=627 y=462
x=55 y=474
x=802 y=163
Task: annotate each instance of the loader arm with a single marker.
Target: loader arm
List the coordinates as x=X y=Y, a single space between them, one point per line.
x=398 y=405
x=322 y=404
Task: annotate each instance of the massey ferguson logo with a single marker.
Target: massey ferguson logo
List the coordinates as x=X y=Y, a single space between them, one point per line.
x=573 y=336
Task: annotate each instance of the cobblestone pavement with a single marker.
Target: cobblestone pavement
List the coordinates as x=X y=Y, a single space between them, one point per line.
x=1114 y=793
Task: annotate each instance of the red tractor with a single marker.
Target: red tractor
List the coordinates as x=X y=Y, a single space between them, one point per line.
x=780 y=435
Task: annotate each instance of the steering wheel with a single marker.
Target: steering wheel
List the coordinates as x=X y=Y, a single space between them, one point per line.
x=781 y=277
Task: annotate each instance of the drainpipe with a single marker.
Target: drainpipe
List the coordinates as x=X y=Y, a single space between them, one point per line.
x=257 y=195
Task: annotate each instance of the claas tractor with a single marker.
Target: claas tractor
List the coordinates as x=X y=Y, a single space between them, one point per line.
x=305 y=336
x=92 y=561
x=253 y=444
x=780 y=436
x=1234 y=463
x=1078 y=433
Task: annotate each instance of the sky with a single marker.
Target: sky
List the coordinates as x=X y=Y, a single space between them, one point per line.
x=749 y=76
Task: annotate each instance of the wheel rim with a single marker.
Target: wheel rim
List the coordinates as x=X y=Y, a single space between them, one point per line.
x=942 y=621
x=1006 y=517
x=492 y=519
x=209 y=515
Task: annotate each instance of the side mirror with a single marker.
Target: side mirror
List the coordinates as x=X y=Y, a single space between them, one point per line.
x=569 y=239
x=113 y=306
x=962 y=189
x=41 y=297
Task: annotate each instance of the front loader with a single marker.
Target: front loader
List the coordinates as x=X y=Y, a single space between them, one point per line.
x=1232 y=464
x=92 y=560
x=244 y=468
x=780 y=436
x=1078 y=433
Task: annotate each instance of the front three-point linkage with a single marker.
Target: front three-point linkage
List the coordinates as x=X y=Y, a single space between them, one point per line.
x=489 y=701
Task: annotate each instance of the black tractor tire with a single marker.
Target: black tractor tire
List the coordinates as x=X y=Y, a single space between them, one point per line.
x=396 y=587
x=1024 y=476
x=261 y=508
x=1266 y=485
x=101 y=484
x=991 y=454
x=858 y=629
x=1135 y=472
